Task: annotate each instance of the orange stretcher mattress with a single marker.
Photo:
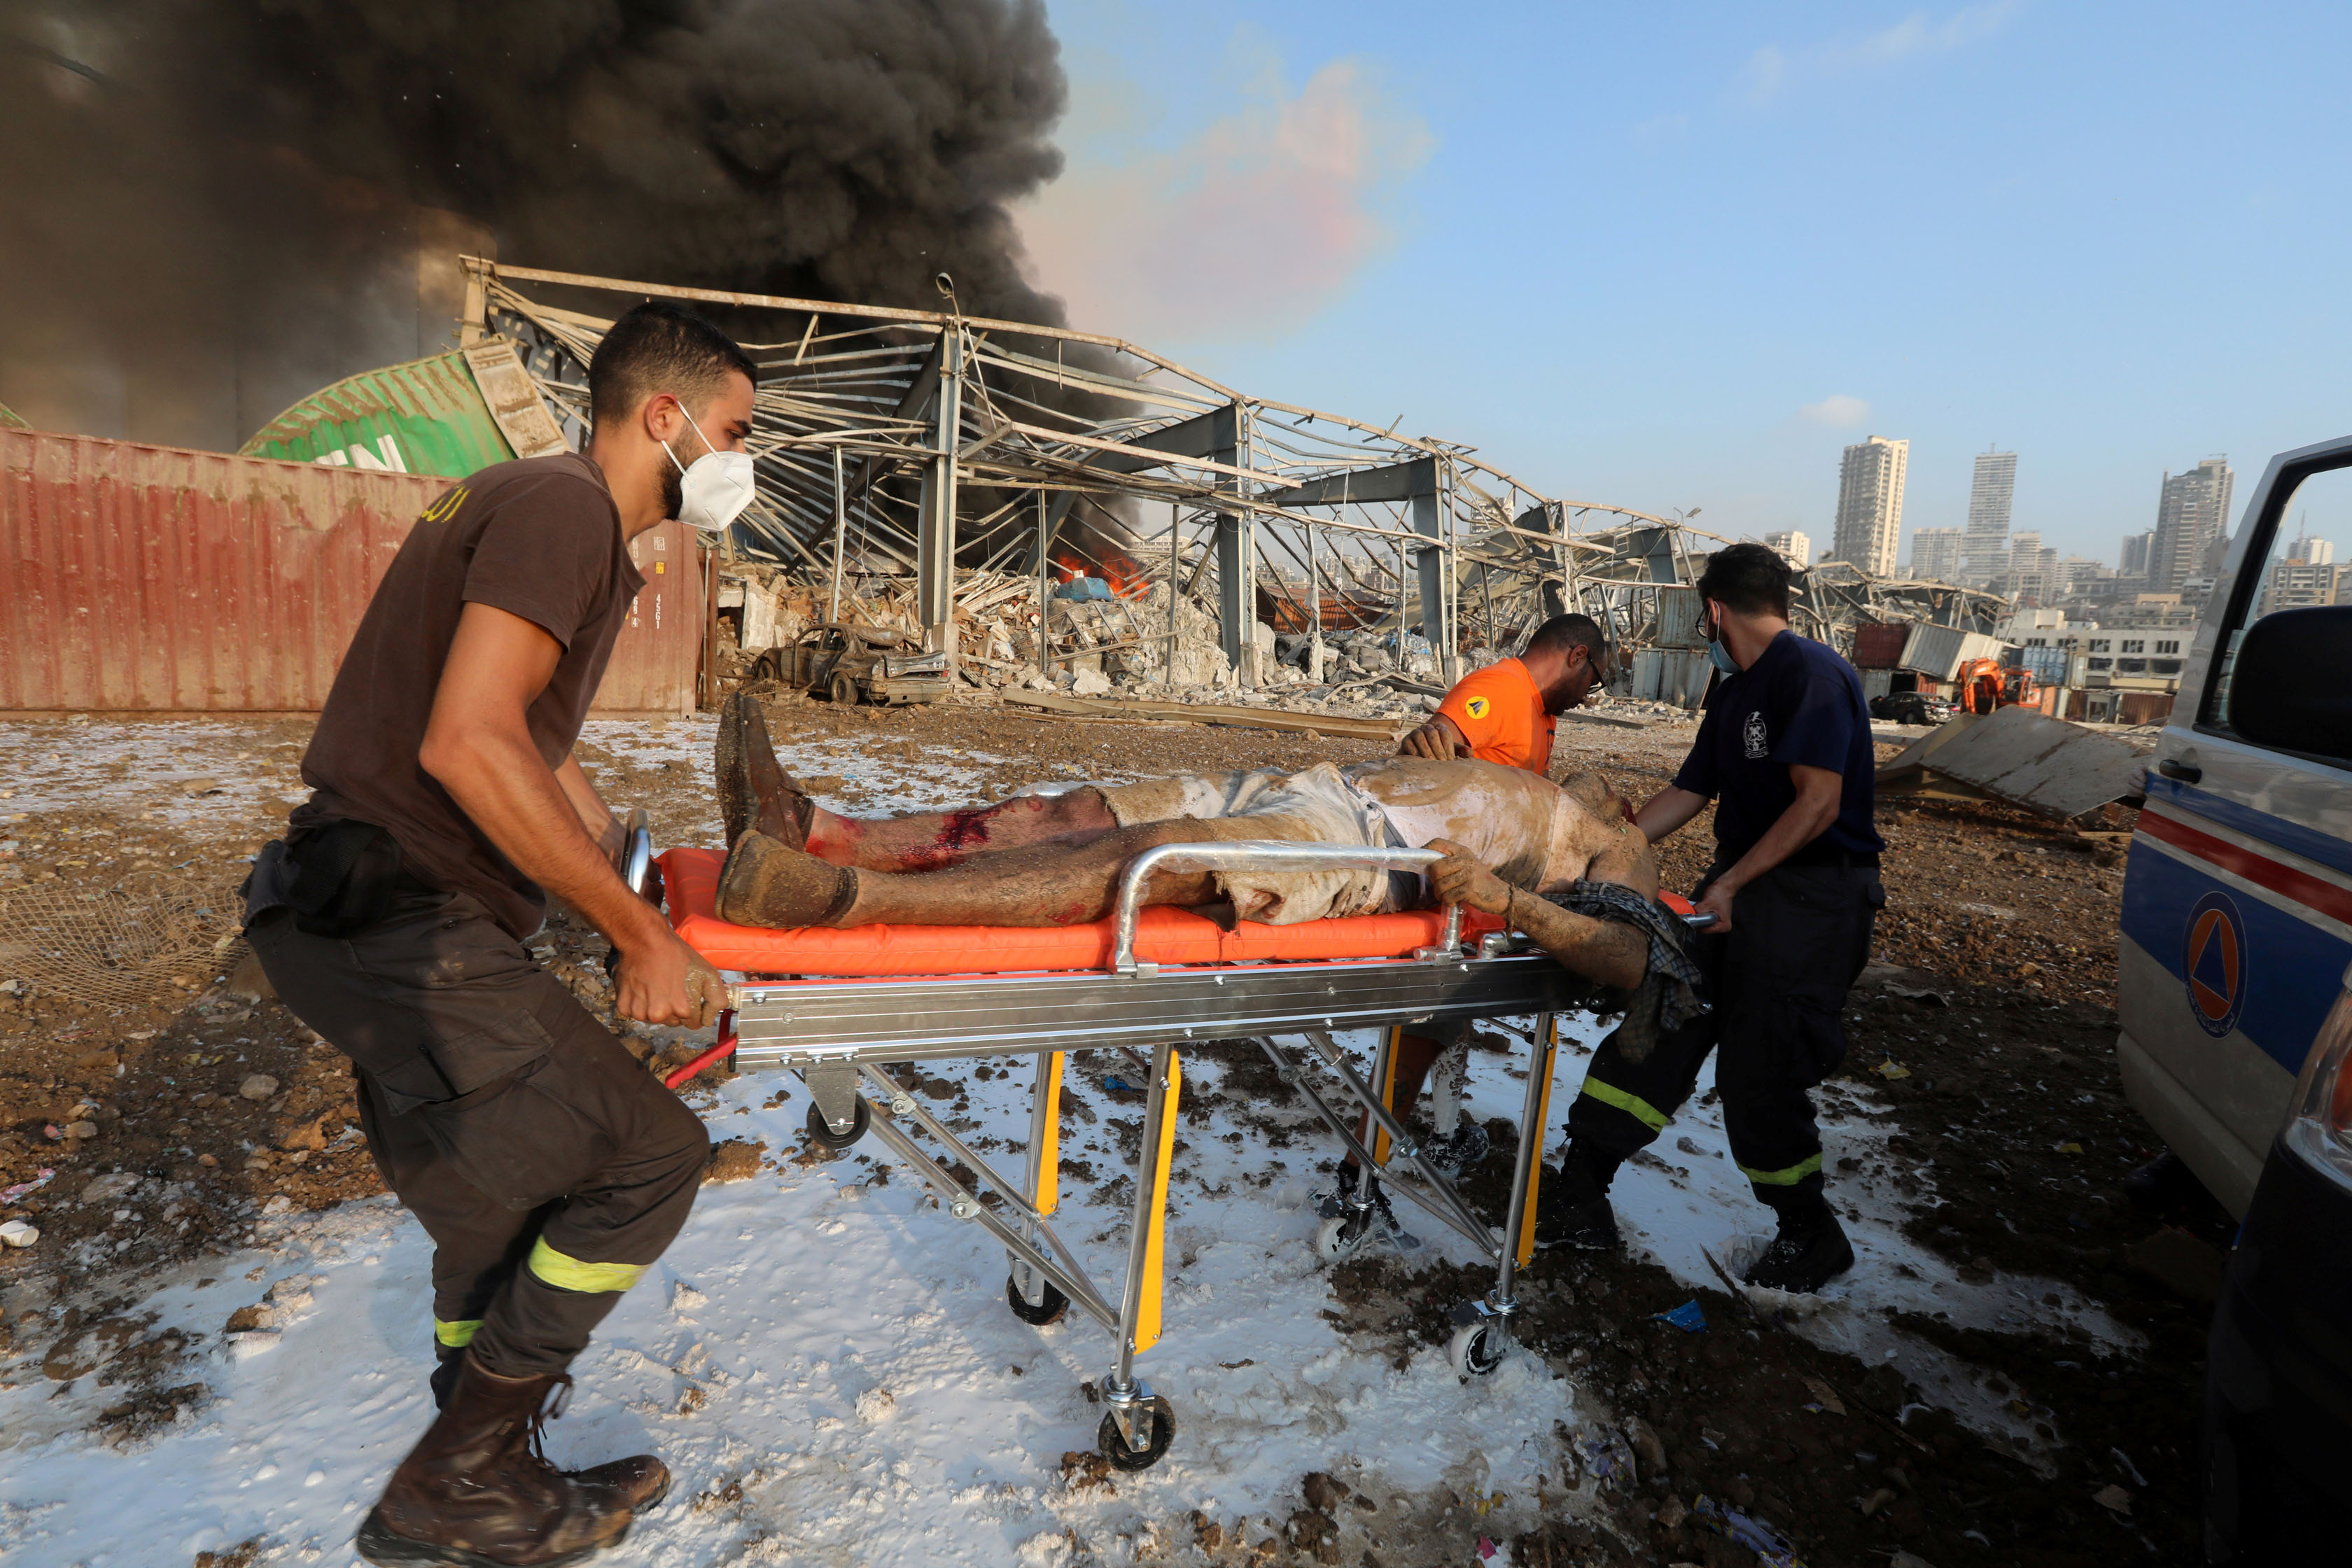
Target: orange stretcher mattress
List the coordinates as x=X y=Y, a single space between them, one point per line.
x=1162 y=935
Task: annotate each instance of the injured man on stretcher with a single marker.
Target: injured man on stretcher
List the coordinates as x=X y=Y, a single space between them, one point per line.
x=1514 y=843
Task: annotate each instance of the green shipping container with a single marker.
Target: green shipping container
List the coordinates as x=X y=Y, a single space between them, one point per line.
x=423 y=417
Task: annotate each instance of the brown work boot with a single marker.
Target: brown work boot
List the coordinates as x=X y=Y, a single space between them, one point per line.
x=476 y=1492
x=768 y=883
x=754 y=790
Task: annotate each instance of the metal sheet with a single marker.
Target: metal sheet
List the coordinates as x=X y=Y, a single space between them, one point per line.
x=138 y=578
x=1939 y=651
x=426 y=416
x=513 y=401
x=2023 y=756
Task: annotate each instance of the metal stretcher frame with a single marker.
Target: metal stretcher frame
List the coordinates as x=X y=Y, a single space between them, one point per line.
x=838 y=1034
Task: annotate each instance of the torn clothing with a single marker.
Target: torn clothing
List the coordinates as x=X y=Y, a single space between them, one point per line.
x=1527 y=827
x=1668 y=996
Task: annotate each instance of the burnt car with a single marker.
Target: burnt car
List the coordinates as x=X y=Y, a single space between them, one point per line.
x=1911 y=708
x=853 y=664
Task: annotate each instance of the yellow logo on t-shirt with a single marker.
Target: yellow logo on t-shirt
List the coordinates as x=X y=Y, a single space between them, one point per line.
x=1475 y=707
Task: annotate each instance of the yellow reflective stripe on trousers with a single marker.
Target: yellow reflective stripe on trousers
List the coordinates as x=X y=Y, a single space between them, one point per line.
x=457 y=1336
x=570 y=1274
x=1788 y=1178
x=1633 y=1105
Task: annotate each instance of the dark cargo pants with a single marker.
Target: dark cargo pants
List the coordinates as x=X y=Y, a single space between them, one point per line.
x=1777 y=980
x=548 y=1167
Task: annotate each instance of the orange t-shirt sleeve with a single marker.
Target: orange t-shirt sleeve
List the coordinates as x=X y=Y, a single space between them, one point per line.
x=1494 y=710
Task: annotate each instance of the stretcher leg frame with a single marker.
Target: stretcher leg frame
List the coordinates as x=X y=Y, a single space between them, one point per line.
x=1044 y=1169
x=837 y=1031
x=1431 y=1191
x=1483 y=1328
x=1130 y=1399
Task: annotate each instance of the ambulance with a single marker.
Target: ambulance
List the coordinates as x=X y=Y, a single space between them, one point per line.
x=2236 y=1027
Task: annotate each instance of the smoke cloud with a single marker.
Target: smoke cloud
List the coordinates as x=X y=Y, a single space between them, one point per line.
x=1256 y=222
x=208 y=210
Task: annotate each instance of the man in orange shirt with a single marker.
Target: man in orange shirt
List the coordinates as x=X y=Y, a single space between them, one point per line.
x=1507 y=712
x=1504 y=713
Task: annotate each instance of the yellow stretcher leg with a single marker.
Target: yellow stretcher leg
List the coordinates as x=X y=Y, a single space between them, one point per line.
x=1547 y=1058
x=1387 y=1090
x=1147 y=1308
x=1048 y=1153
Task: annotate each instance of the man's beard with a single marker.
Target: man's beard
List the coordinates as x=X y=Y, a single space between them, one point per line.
x=673 y=492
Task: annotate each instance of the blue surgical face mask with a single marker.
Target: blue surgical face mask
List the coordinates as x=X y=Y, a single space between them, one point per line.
x=1716 y=654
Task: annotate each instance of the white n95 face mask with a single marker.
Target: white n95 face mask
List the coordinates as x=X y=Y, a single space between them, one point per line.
x=715 y=487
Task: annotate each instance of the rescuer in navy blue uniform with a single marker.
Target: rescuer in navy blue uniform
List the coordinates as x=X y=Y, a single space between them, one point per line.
x=1785 y=753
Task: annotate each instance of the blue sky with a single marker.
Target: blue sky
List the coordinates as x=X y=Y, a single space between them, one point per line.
x=1658 y=255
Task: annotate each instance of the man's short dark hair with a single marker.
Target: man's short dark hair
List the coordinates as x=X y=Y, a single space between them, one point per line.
x=1561 y=633
x=661 y=347
x=1752 y=579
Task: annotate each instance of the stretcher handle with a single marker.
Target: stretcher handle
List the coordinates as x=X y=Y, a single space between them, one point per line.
x=1254 y=855
x=725 y=1047
x=1698 y=922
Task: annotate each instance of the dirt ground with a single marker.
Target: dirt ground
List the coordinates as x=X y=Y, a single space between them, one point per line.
x=1986 y=1023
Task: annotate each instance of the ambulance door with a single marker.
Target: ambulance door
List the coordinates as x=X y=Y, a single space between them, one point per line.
x=2237 y=918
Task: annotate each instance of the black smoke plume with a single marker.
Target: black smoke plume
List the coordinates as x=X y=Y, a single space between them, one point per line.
x=210 y=209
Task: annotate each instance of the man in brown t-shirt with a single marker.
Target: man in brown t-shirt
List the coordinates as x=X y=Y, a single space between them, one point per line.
x=548 y=1167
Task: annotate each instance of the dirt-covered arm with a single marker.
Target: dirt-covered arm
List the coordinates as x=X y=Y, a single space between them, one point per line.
x=1605 y=951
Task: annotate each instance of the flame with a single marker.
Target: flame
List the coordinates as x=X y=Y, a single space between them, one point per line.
x=1124 y=574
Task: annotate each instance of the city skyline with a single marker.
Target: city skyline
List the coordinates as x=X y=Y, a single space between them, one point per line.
x=1726 y=367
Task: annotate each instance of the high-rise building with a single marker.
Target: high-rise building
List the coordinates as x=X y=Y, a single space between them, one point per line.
x=2309 y=551
x=1796 y=549
x=2192 y=514
x=1936 y=555
x=2135 y=557
x=1985 y=557
x=2296 y=584
x=2033 y=575
x=1870 y=504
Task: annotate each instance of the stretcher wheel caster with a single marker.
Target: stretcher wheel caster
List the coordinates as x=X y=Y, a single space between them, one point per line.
x=1049 y=1310
x=1332 y=1242
x=822 y=1133
x=1113 y=1443
x=1477 y=1349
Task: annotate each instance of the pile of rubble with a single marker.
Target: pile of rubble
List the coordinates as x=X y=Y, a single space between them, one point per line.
x=1100 y=642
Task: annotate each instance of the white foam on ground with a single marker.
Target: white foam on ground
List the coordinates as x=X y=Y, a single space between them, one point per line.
x=756 y=1358
x=1694 y=1200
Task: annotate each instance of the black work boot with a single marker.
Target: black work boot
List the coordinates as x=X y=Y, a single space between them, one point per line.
x=1573 y=1204
x=754 y=790
x=476 y=1492
x=1811 y=1251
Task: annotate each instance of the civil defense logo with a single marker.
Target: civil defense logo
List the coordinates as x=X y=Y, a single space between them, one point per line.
x=2213 y=957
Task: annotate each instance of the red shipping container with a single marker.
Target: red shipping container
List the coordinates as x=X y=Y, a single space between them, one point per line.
x=1880 y=646
x=150 y=579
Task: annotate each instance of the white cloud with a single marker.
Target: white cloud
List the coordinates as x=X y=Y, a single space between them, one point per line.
x=1837 y=411
x=1260 y=220
x=1773 y=67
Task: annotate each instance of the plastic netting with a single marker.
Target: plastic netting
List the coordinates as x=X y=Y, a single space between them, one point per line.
x=122 y=946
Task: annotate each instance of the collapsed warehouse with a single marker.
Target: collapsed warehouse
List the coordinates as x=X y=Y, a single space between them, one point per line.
x=999 y=504
x=959 y=503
